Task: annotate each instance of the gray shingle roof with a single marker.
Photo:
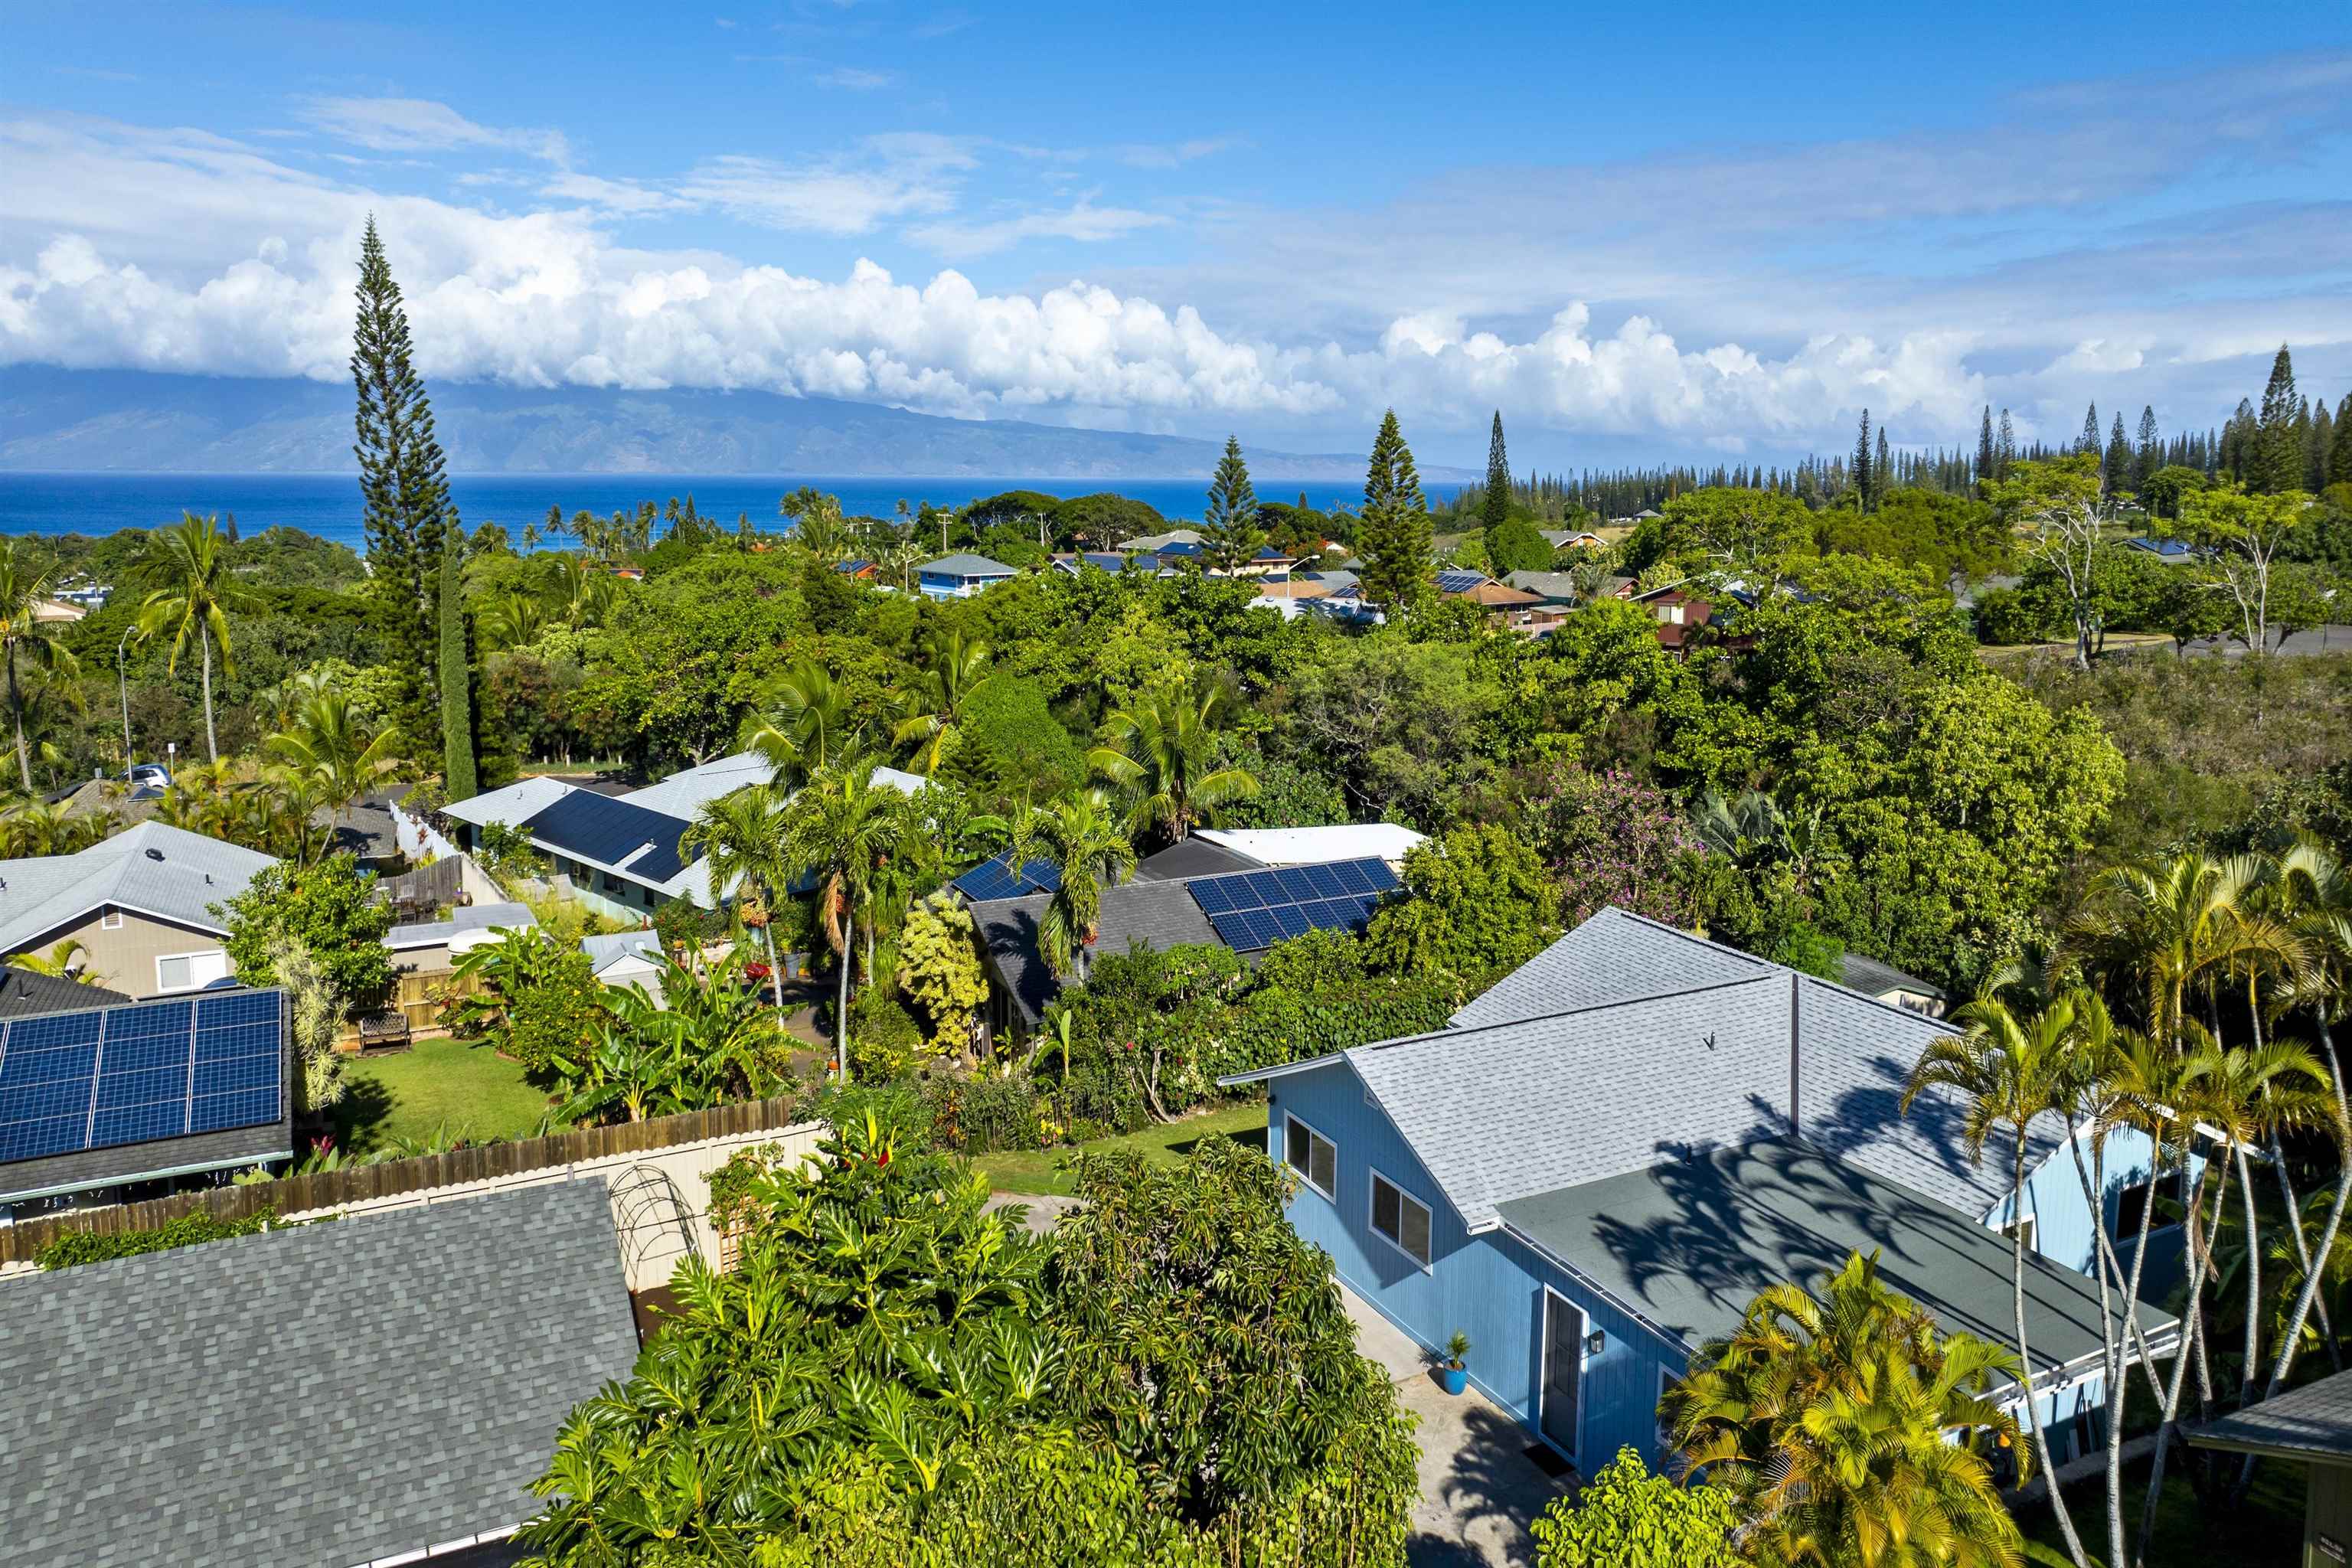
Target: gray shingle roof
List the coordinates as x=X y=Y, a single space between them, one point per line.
x=1688 y=1244
x=1194 y=856
x=1512 y=1110
x=186 y=874
x=1160 y=915
x=967 y=565
x=25 y=994
x=1594 y=1060
x=328 y=1395
x=1612 y=957
x=2312 y=1423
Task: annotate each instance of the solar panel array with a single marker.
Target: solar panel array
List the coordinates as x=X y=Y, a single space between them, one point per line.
x=1455 y=579
x=1253 y=909
x=598 y=827
x=112 y=1076
x=995 y=879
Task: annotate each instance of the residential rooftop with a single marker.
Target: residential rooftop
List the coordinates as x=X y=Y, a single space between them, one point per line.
x=151 y=867
x=347 y=1393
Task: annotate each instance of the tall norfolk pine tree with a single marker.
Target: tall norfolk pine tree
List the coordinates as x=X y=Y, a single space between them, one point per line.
x=1393 y=536
x=458 y=778
x=1498 y=509
x=1230 y=536
x=2276 y=461
x=403 y=486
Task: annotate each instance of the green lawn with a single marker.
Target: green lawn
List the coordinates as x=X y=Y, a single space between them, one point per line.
x=436 y=1084
x=1034 y=1173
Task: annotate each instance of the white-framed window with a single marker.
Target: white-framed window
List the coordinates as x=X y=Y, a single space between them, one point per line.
x=110 y=920
x=1401 y=1219
x=1314 y=1157
x=190 y=971
x=1666 y=1379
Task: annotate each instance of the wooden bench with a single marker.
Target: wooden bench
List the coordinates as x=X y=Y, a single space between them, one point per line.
x=381 y=1033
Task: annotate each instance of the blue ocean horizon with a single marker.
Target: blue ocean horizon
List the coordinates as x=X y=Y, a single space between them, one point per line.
x=327 y=505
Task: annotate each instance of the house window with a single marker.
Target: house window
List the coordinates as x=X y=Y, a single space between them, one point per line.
x=110 y=920
x=1314 y=1157
x=2131 y=1210
x=190 y=971
x=1665 y=1431
x=1401 y=1218
x=2026 y=1226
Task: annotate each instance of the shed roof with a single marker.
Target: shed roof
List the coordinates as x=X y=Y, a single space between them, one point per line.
x=1320 y=845
x=1873 y=978
x=1688 y=1243
x=152 y=868
x=468 y=921
x=2313 y=1422
x=325 y=1395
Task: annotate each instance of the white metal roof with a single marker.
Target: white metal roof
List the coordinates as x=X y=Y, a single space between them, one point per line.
x=513 y=805
x=1316 y=845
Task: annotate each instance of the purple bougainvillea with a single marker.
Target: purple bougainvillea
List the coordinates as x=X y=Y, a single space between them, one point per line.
x=1610 y=838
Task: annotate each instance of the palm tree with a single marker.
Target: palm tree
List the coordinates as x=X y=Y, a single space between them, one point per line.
x=191 y=556
x=2313 y=891
x=817 y=525
x=935 y=701
x=902 y=560
x=68 y=960
x=24 y=593
x=584 y=592
x=2162 y=927
x=839 y=832
x=2009 y=1070
x=328 y=744
x=38 y=828
x=514 y=619
x=742 y=840
x=1092 y=851
x=806 y=727
x=1162 y=751
x=1831 y=1419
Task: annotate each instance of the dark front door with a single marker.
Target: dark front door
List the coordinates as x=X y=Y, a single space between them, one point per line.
x=1563 y=1370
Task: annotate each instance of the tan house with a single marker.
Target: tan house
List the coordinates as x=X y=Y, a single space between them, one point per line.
x=140 y=905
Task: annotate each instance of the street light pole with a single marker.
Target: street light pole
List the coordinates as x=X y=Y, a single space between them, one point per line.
x=125 y=681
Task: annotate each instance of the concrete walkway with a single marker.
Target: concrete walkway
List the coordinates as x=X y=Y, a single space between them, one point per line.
x=1478 y=1487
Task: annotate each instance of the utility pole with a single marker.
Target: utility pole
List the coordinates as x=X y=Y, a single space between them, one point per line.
x=123 y=682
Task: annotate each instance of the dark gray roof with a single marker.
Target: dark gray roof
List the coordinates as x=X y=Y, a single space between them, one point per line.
x=25 y=994
x=2313 y=1422
x=1194 y=856
x=87 y=1170
x=1873 y=978
x=1689 y=1243
x=328 y=1395
x=1160 y=915
x=364 y=830
x=968 y=565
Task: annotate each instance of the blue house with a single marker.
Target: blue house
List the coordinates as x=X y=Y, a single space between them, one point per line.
x=1599 y=1163
x=961 y=577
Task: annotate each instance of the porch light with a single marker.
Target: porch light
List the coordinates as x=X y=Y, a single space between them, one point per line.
x=1595 y=1342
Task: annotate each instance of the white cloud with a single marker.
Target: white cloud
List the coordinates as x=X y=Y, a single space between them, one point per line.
x=891 y=176
x=422 y=125
x=1081 y=221
x=1175 y=154
x=854 y=79
x=629 y=198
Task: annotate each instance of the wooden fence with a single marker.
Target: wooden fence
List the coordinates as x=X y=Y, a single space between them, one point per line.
x=367 y=1183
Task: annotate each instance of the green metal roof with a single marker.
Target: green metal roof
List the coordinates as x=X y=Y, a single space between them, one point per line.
x=1687 y=1244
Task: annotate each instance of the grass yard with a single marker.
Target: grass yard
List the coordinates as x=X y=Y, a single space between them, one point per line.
x=412 y=1096
x=1034 y=1173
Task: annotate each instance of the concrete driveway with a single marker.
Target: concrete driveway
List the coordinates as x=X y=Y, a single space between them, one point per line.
x=1479 y=1488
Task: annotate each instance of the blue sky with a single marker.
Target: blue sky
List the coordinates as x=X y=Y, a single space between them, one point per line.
x=1647 y=233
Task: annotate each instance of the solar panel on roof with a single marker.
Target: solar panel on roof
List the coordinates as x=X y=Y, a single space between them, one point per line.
x=107 y=1077
x=598 y=827
x=1253 y=909
x=994 y=879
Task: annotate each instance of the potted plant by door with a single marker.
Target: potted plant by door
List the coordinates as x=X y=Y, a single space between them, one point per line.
x=1450 y=1371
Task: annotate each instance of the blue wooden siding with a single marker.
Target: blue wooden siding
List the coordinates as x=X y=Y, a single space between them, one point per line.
x=1490 y=1286
x=2063 y=1226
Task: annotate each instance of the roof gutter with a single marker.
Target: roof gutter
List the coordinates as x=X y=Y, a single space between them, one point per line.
x=1261 y=1075
x=196 y=1170
x=443 y=1549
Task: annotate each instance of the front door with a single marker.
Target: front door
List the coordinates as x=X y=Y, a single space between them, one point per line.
x=1563 y=1370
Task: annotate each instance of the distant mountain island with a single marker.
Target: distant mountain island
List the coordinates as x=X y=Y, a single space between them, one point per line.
x=138 y=421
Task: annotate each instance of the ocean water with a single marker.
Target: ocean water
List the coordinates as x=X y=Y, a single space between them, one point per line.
x=327 y=505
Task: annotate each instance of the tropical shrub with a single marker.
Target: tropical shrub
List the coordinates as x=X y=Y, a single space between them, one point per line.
x=938 y=969
x=1477 y=905
x=80 y=1247
x=330 y=908
x=539 y=1001
x=1627 y=1518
